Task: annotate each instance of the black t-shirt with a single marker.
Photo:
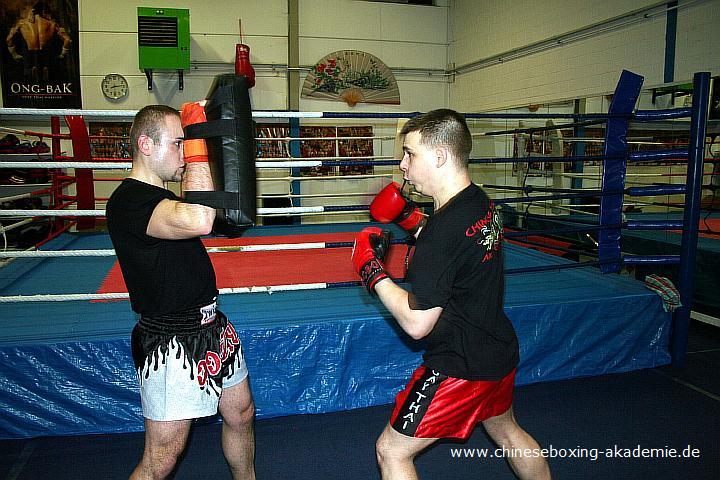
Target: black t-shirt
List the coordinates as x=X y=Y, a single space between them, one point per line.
x=162 y=276
x=458 y=265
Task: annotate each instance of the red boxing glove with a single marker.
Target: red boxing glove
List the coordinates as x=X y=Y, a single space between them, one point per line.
x=194 y=149
x=390 y=205
x=243 y=66
x=371 y=245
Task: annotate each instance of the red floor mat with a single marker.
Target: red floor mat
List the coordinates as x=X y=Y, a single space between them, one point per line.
x=285 y=267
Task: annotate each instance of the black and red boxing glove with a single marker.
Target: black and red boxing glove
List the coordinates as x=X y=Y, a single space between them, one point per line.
x=390 y=205
x=371 y=245
x=194 y=149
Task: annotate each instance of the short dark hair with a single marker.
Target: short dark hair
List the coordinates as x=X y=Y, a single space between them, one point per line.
x=443 y=127
x=150 y=121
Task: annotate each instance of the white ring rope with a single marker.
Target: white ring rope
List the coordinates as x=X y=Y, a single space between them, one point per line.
x=128 y=165
x=22 y=196
x=315 y=195
x=12 y=226
x=599 y=175
x=108 y=252
x=93 y=165
x=562 y=207
x=367 y=157
x=59 y=112
x=326 y=177
x=288 y=139
x=303 y=214
x=262 y=197
x=72 y=297
x=277 y=165
x=101 y=213
x=12 y=130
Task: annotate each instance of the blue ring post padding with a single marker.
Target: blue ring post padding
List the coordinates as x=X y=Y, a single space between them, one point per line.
x=623 y=102
x=691 y=217
x=657 y=155
x=654 y=190
x=654 y=225
x=653 y=115
x=651 y=259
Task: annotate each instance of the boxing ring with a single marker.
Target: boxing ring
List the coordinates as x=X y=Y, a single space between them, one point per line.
x=707 y=280
x=316 y=341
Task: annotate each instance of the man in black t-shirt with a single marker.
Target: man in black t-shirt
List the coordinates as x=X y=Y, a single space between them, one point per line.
x=456 y=304
x=188 y=357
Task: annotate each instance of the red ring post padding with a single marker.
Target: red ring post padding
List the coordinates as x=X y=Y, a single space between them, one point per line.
x=84 y=183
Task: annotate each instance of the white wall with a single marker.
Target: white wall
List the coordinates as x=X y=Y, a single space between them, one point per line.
x=483 y=28
x=698 y=40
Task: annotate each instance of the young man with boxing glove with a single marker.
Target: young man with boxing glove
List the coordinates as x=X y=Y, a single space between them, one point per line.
x=188 y=357
x=456 y=304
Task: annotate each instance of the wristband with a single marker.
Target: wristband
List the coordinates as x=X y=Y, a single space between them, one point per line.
x=195 y=150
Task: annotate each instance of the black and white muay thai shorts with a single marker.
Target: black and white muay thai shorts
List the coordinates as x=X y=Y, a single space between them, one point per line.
x=183 y=362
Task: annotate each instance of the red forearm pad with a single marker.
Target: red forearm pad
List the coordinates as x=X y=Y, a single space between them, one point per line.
x=194 y=148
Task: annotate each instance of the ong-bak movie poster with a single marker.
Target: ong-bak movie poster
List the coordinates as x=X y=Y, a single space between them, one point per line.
x=40 y=59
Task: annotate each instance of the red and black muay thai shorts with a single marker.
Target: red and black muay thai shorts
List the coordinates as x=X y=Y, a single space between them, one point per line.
x=433 y=405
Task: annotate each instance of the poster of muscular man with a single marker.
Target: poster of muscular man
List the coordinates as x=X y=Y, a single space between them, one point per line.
x=40 y=60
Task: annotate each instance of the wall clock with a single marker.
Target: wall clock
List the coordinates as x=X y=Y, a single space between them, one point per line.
x=114 y=86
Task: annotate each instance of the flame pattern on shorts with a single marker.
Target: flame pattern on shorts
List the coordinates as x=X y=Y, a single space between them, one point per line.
x=208 y=352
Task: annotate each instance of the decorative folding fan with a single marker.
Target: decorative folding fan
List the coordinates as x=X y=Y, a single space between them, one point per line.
x=353 y=77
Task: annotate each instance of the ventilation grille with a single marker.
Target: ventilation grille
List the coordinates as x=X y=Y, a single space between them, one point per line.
x=158 y=31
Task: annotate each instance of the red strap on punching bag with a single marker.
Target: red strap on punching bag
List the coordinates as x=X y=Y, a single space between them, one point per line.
x=243 y=66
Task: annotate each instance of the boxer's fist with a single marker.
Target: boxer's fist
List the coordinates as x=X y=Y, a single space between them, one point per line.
x=371 y=245
x=390 y=205
x=194 y=148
